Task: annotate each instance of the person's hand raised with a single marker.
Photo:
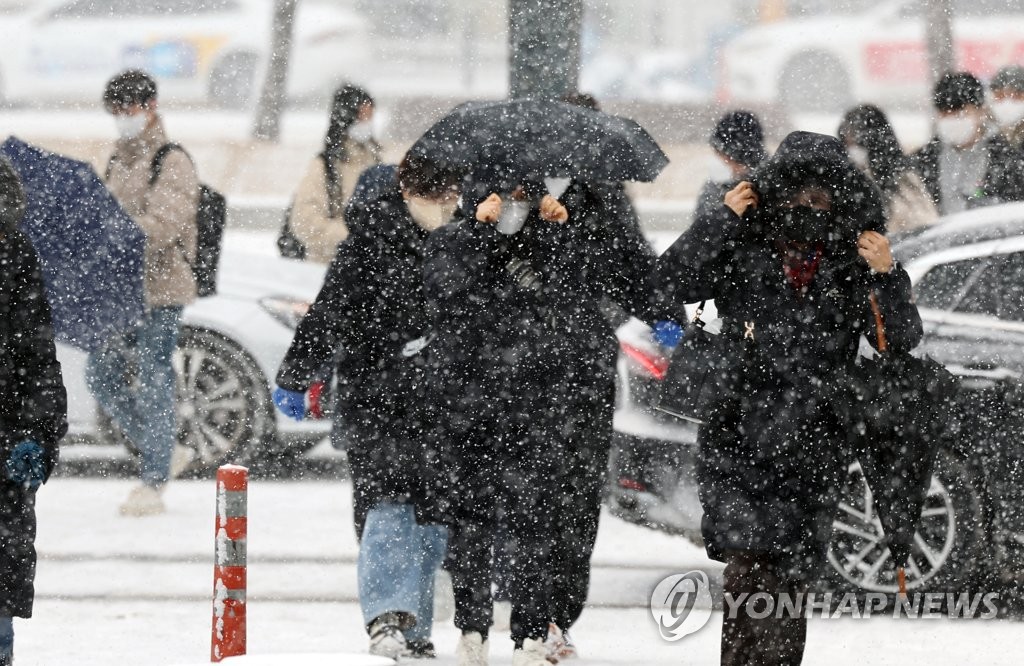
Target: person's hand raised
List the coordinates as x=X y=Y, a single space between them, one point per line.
x=742 y=197
x=874 y=248
x=552 y=210
x=489 y=209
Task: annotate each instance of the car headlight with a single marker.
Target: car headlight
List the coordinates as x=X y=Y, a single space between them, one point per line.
x=288 y=311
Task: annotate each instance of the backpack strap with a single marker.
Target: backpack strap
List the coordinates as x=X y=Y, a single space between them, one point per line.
x=156 y=164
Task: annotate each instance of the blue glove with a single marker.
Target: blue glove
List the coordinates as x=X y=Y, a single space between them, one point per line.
x=291 y=403
x=27 y=464
x=668 y=334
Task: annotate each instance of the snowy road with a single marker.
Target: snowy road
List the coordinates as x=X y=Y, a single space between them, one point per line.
x=118 y=591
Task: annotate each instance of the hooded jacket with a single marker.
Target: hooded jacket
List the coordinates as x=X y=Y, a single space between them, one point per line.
x=1003 y=182
x=773 y=453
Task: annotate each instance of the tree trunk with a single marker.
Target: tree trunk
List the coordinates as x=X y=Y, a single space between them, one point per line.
x=544 y=47
x=938 y=17
x=273 y=96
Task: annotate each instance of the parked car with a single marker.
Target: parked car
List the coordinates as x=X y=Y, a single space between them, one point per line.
x=828 y=61
x=968 y=275
x=213 y=50
x=228 y=353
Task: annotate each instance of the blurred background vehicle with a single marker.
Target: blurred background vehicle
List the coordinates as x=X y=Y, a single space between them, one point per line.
x=228 y=353
x=968 y=274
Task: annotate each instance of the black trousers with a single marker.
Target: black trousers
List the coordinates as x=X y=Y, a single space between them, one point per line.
x=773 y=641
x=17 y=549
x=541 y=472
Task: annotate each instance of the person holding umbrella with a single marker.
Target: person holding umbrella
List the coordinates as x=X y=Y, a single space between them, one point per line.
x=793 y=275
x=164 y=207
x=369 y=317
x=33 y=411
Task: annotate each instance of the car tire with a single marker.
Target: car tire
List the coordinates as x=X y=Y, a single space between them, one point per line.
x=233 y=81
x=948 y=554
x=815 y=82
x=225 y=414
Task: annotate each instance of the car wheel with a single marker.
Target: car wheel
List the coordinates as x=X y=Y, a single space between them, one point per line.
x=947 y=547
x=815 y=82
x=233 y=80
x=224 y=410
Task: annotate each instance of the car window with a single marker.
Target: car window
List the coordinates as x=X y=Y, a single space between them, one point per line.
x=999 y=292
x=941 y=287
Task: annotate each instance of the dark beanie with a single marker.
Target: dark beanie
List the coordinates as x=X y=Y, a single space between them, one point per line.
x=956 y=90
x=739 y=136
x=1008 y=78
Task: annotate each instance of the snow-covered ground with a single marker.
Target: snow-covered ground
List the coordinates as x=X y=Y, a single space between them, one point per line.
x=116 y=591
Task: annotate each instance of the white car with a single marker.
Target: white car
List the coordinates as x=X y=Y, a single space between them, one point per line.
x=230 y=347
x=213 y=50
x=831 y=61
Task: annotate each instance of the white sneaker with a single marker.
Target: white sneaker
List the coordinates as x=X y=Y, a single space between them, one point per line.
x=472 y=650
x=533 y=653
x=386 y=639
x=559 y=645
x=181 y=459
x=444 y=597
x=143 y=500
x=502 y=616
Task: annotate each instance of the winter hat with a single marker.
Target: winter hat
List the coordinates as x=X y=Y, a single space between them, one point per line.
x=12 y=196
x=739 y=136
x=130 y=87
x=957 y=90
x=1008 y=78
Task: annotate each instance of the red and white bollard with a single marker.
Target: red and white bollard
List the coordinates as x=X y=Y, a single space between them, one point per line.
x=228 y=638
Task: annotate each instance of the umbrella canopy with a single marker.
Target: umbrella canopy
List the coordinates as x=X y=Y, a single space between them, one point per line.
x=897 y=409
x=534 y=138
x=91 y=251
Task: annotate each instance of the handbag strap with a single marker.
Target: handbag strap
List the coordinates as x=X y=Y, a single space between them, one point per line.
x=697 y=321
x=883 y=344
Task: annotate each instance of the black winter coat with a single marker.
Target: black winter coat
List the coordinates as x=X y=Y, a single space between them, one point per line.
x=772 y=454
x=519 y=316
x=369 y=315
x=1004 y=180
x=33 y=406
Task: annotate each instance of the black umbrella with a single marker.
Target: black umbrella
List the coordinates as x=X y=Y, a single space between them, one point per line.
x=533 y=139
x=897 y=410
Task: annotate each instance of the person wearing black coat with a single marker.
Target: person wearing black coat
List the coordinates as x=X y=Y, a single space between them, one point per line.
x=967 y=164
x=791 y=276
x=738 y=145
x=33 y=407
x=369 y=316
x=525 y=389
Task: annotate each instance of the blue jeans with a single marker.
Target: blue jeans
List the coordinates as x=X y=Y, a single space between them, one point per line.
x=397 y=562
x=143 y=408
x=6 y=640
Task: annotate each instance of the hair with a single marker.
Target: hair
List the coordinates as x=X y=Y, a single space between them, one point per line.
x=130 y=87
x=422 y=178
x=585 y=100
x=868 y=127
x=348 y=101
x=957 y=90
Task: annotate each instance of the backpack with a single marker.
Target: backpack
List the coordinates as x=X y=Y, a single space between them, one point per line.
x=211 y=216
x=288 y=244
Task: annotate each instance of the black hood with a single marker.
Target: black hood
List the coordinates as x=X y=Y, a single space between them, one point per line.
x=806 y=158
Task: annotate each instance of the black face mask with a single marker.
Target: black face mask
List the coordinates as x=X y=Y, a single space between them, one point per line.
x=802 y=224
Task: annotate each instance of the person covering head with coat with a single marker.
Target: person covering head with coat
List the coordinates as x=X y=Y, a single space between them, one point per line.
x=317 y=214
x=790 y=274
x=33 y=408
x=524 y=384
x=873 y=148
x=968 y=164
x=369 y=318
x=738 y=144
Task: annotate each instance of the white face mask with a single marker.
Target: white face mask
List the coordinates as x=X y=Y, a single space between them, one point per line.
x=859 y=156
x=557 y=186
x=719 y=171
x=513 y=216
x=130 y=127
x=361 y=131
x=429 y=215
x=1008 y=112
x=957 y=130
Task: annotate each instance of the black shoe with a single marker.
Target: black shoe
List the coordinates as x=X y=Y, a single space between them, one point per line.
x=421 y=649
